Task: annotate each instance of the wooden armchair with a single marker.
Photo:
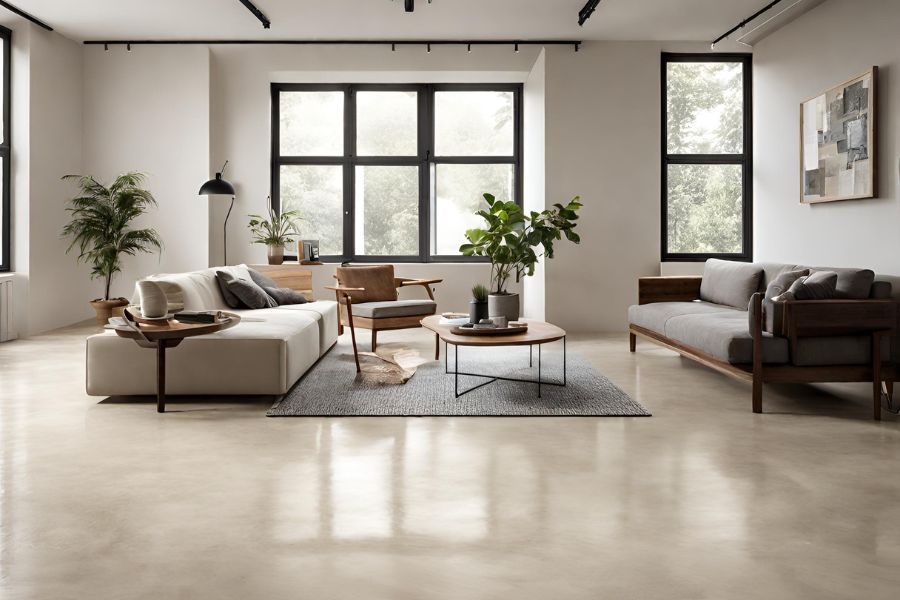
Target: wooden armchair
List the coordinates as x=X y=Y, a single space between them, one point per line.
x=368 y=297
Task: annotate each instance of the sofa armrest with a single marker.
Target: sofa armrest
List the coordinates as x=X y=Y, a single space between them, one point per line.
x=668 y=289
x=821 y=318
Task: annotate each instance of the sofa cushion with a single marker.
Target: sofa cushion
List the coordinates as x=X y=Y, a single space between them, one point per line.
x=729 y=283
x=837 y=350
x=230 y=298
x=820 y=285
x=852 y=284
x=285 y=296
x=654 y=316
x=397 y=308
x=772 y=311
x=724 y=335
x=261 y=280
x=250 y=294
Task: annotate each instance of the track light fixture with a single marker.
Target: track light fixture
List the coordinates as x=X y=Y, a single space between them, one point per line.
x=469 y=48
x=740 y=25
x=410 y=5
x=393 y=47
x=257 y=13
x=517 y=48
x=128 y=47
x=106 y=47
x=428 y=46
x=585 y=13
x=25 y=15
x=576 y=44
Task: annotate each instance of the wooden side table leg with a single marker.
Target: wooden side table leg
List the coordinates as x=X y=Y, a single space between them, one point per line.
x=161 y=376
x=437 y=347
x=352 y=333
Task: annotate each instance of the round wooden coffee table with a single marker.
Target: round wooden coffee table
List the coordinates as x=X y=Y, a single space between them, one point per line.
x=168 y=334
x=538 y=334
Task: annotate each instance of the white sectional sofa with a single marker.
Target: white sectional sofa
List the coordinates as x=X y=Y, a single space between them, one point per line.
x=266 y=353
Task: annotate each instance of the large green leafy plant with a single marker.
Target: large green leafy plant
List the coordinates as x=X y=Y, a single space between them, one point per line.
x=101 y=223
x=511 y=238
x=276 y=230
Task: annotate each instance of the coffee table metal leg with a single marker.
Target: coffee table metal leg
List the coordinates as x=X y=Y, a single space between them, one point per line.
x=539 y=369
x=456 y=369
x=161 y=376
x=530 y=353
x=564 y=361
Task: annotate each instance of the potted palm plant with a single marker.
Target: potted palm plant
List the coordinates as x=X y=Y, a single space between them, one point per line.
x=511 y=239
x=276 y=231
x=101 y=230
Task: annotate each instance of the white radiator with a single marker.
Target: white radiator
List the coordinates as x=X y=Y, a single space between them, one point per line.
x=7 y=331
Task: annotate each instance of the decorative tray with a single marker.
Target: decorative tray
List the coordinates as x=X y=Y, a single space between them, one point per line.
x=511 y=330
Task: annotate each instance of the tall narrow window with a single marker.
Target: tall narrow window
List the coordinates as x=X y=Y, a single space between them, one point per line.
x=707 y=157
x=5 y=228
x=393 y=172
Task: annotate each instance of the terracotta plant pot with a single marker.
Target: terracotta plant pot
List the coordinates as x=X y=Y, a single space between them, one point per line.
x=106 y=309
x=504 y=305
x=276 y=255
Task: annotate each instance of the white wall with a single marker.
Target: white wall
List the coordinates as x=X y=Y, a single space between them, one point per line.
x=535 y=181
x=148 y=111
x=828 y=45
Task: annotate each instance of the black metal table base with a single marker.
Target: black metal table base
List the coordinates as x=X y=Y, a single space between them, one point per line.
x=540 y=381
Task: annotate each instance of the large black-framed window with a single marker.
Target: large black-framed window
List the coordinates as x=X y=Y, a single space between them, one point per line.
x=707 y=157
x=5 y=202
x=394 y=172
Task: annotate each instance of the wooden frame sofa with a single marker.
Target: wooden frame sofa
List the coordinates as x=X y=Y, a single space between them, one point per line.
x=816 y=341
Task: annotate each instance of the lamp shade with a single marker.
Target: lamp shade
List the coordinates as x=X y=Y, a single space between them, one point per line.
x=217 y=187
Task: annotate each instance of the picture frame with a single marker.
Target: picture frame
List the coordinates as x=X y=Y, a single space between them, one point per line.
x=838 y=152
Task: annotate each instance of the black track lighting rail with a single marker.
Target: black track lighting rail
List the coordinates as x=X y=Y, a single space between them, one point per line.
x=266 y=23
x=745 y=21
x=393 y=43
x=585 y=13
x=25 y=15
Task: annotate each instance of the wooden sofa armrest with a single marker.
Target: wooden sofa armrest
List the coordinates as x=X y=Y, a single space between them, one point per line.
x=668 y=289
x=821 y=318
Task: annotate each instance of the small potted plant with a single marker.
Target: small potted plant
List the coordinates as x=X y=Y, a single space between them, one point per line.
x=276 y=232
x=100 y=228
x=478 y=305
x=509 y=241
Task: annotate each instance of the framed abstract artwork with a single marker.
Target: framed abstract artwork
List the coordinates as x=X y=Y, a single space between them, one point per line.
x=837 y=142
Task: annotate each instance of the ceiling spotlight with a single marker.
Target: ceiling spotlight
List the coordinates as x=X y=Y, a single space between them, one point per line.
x=106 y=47
x=128 y=47
x=517 y=48
x=469 y=48
x=429 y=48
x=393 y=47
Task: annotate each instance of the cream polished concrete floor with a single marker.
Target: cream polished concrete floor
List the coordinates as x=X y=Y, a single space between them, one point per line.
x=103 y=499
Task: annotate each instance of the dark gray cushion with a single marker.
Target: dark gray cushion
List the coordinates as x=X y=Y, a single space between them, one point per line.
x=724 y=335
x=262 y=280
x=772 y=311
x=852 y=284
x=655 y=316
x=250 y=294
x=838 y=350
x=395 y=308
x=729 y=283
x=881 y=290
x=821 y=285
x=222 y=278
x=284 y=296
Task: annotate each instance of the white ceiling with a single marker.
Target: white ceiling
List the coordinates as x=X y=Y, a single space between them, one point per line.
x=700 y=20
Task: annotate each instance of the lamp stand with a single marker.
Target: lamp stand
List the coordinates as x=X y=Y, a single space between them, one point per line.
x=225 y=233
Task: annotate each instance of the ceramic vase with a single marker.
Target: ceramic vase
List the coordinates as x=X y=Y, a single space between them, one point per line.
x=154 y=304
x=276 y=254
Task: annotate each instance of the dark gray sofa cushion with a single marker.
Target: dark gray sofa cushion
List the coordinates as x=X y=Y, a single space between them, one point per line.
x=251 y=295
x=261 y=280
x=725 y=336
x=654 y=316
x=729 y=283
x=772 y=311
x=852 y=284
x=222 y=278
x=284 y=296
x=395 y=308
x=820 y=285
x=838 y=350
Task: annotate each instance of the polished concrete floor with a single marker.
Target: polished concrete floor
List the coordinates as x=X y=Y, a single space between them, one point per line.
x=103 y=499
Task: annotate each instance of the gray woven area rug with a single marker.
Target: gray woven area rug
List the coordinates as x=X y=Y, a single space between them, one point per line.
x=332 y=388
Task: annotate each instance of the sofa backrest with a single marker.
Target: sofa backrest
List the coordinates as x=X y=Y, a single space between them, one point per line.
x=200 y=290
x=853 y=283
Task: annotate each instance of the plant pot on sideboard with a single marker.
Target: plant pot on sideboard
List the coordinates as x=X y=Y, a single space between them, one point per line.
x=504 y=305
x=275 y=254
x=108 y=308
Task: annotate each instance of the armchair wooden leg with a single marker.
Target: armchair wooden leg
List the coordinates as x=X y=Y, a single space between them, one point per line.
x=757 y=353
x=337 y=296
x=353 y=335
x=374 y=339
x=757 y=394
x=632 y=342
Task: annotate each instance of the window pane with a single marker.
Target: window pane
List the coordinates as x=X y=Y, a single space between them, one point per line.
x=473 y=123
x=387 y=124
x=317 y=191
x=705 y=209
x=312 y=123
x=387 y=211
x=2 y=86
x=705 y=114
x=459 y=193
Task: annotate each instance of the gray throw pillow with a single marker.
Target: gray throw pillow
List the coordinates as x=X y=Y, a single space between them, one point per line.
x=729 y=283
x=222 y=278
x=852 y=284
x=285 y=296
x=262 y=280
x=821 y=285
x=772 y=311
x=250 y=294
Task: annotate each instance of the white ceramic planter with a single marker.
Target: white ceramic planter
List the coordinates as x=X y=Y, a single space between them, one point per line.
x=504 y=305
x=154 y=303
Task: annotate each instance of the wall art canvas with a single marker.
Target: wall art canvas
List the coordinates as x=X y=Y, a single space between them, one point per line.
x=837 y=142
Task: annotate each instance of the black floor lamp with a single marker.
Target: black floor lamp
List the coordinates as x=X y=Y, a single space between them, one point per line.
x=220 y=187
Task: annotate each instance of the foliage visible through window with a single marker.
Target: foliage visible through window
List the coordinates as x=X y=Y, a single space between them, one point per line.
x=393 y=172
x=706 y=157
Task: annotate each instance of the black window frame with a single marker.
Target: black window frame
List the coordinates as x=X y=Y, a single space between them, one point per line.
x=745 y=159
x=425 y=159
x=6 y=153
